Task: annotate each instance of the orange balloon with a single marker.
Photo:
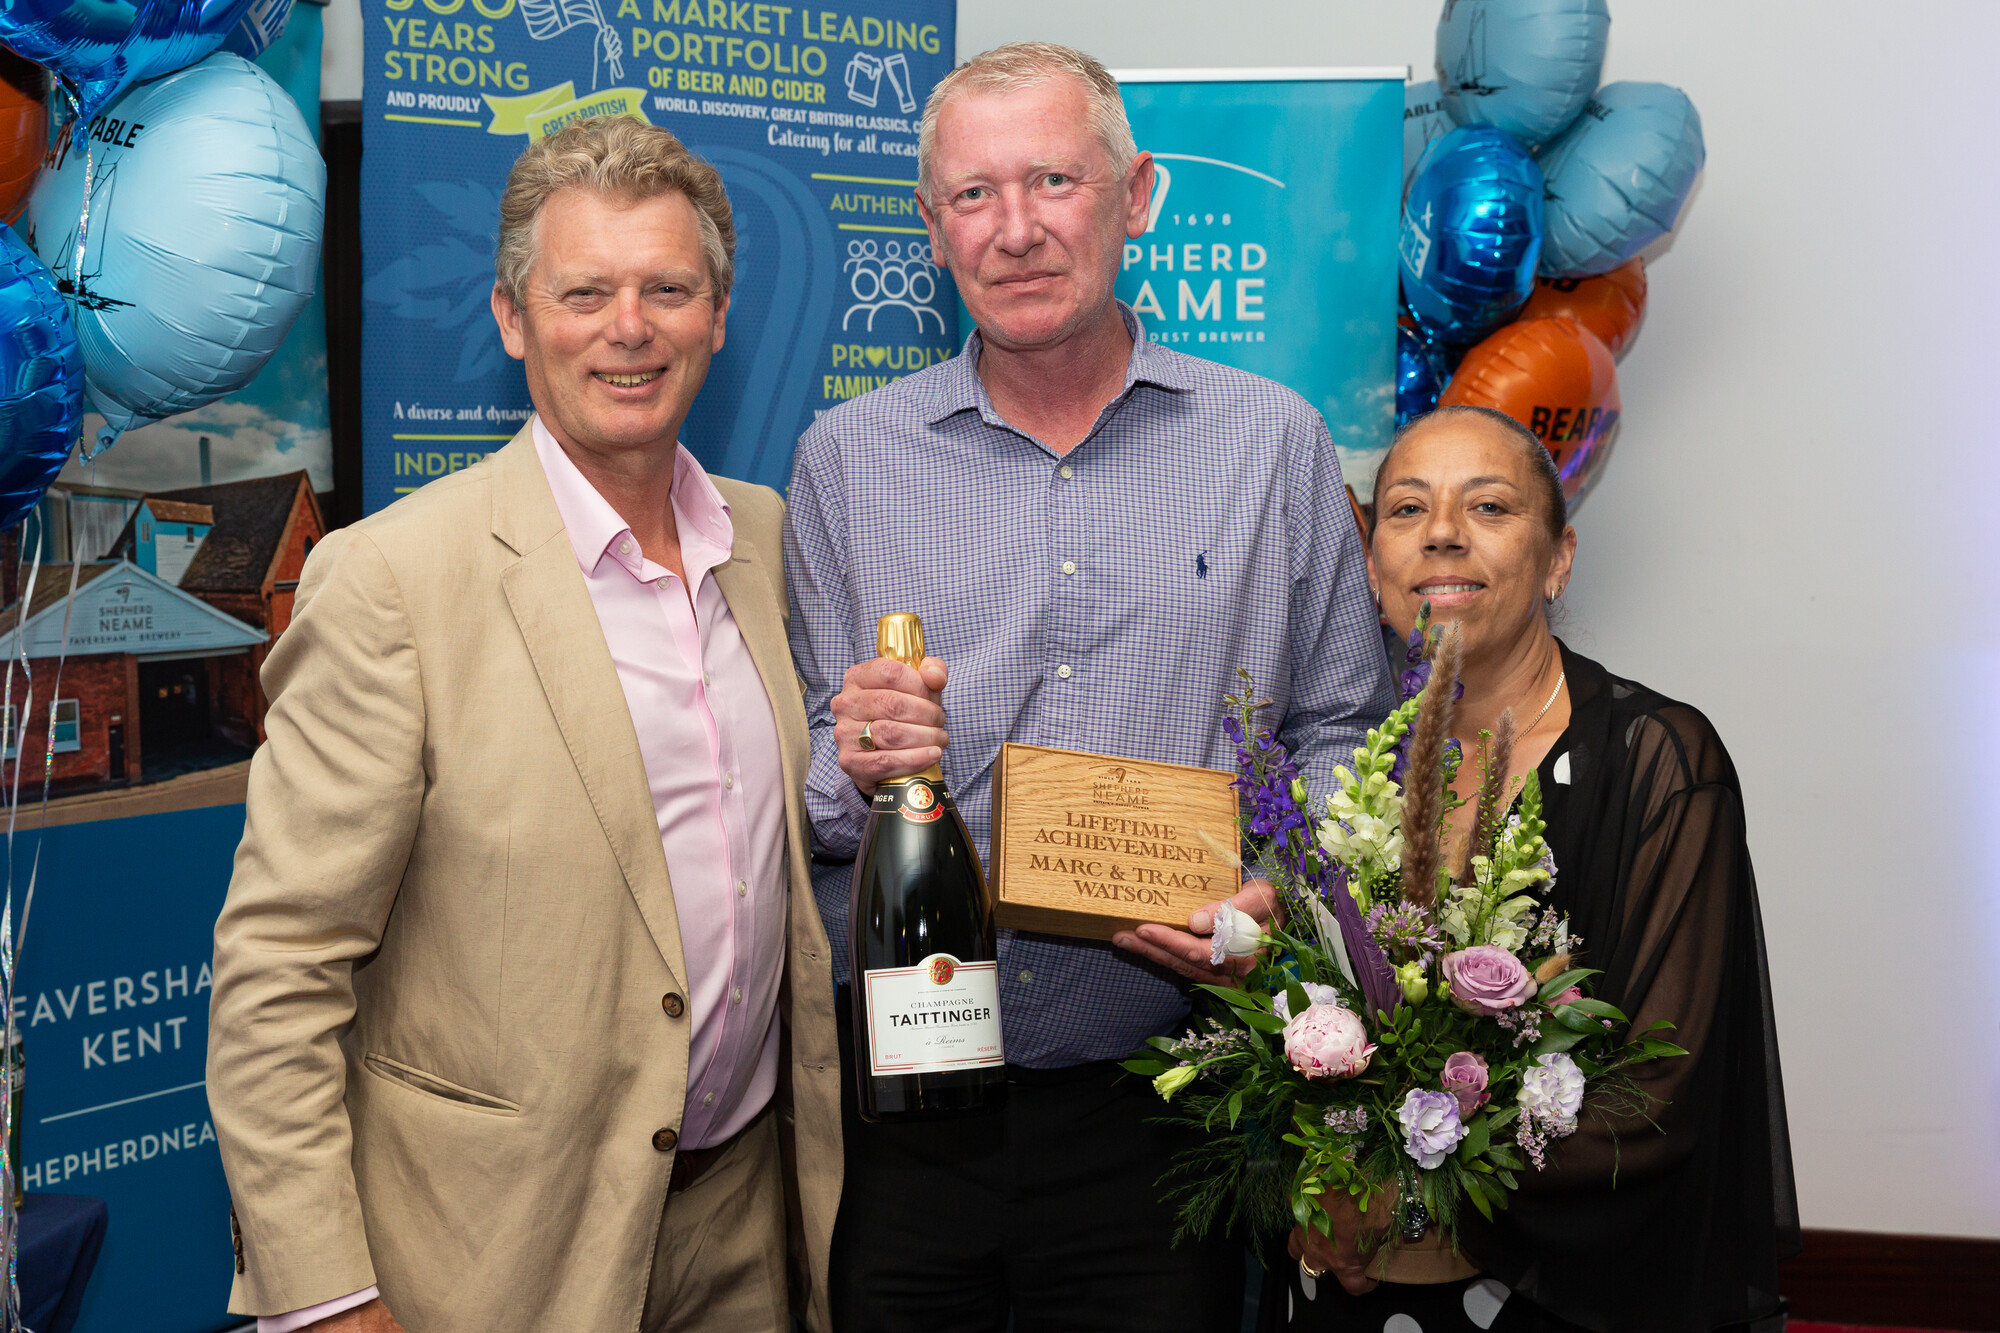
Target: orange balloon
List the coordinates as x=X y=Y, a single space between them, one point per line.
x=24 y=131
x=1556 y=378
x=1610 y=305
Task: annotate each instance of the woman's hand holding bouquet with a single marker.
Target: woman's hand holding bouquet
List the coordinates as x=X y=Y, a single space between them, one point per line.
x=1416 y=1034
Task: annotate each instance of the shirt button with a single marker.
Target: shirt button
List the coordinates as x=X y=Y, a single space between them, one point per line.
x=673 y=1004
x=729 y=781
x=1069 y=566
x=742 y=889
x=624 y=548
x=661 y=585
x=704 y=678
x=1063 y=672
x=736 y=996
x=1065 y=472
x=665 y=1139
x=709 y=1100
x=1026 y=976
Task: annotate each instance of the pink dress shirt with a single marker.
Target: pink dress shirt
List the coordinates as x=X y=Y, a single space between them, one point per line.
x=710 y=746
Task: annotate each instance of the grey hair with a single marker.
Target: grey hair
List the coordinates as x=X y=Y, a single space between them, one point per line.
x=1021 y=65
x=1541 y=463
x=618 y=156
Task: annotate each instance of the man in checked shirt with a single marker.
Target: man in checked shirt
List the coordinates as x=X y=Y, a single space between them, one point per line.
x=1096 y=531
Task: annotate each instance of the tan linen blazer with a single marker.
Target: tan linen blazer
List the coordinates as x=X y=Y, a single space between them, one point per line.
x=440 y=1050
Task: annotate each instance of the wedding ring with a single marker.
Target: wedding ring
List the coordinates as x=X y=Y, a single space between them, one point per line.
x=1314 y=1273
x=867 y=741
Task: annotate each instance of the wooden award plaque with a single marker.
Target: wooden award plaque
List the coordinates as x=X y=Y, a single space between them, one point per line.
x=1088 y=844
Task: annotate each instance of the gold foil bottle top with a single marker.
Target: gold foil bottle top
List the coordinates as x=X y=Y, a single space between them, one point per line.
x=900 y=635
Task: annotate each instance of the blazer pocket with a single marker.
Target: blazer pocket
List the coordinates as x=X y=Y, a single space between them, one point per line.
x=441 y=1088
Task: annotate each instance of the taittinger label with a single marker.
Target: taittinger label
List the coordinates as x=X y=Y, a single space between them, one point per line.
x=941 y=1014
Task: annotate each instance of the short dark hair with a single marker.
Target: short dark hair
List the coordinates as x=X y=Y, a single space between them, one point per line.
x=1541 y=463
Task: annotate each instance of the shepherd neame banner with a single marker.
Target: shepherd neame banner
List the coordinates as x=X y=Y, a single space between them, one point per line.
x=1272 y=240
x=811 y=116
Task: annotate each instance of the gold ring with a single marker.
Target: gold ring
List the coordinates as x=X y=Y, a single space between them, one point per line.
x=867 y=741
x=1314 y=1273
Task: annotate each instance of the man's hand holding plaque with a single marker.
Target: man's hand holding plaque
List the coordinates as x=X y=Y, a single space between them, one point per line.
x=1190 y=952
x=889 y=723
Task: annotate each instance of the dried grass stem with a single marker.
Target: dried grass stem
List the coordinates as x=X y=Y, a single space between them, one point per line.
x=1423 y=797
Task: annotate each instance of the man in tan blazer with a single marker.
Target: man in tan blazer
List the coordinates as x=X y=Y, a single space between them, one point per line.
x=523 y=1017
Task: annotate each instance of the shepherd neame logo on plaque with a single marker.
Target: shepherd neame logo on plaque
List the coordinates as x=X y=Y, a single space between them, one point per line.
x=1089 y=844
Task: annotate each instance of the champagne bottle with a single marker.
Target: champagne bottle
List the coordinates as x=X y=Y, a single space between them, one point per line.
x=926 y=979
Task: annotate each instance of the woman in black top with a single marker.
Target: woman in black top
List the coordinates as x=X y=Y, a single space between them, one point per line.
x=1631 y=1228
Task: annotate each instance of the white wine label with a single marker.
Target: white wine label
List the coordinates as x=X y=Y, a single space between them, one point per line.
x=941 y=1014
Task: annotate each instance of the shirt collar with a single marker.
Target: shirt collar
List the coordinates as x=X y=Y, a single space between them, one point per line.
x=700 y=513
x=960 y=389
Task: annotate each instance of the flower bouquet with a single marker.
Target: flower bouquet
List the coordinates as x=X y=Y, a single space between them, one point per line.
x=1415 y=1034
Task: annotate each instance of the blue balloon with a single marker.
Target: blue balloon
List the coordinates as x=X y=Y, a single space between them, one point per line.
x=202 y=244
x=41 y=379
x=1421 y=372
x=1424 y=120
x=1523 y=66
x=102 y=47
x=1472 y=234
x=263 y=23
x=1618 y=177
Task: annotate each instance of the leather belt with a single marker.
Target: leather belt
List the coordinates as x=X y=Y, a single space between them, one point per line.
x=691 y=1164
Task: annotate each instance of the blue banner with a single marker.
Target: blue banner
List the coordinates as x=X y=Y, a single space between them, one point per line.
x=1272 y=244
x=112 y=1002
x=810 y=115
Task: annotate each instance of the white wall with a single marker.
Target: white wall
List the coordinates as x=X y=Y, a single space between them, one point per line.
x=1791 y=533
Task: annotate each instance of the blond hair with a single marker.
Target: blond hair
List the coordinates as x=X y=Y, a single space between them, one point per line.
x=1022 y=65
x=622 y=157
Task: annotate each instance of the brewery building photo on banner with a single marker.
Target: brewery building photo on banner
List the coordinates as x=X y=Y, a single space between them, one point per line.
x=942 y=666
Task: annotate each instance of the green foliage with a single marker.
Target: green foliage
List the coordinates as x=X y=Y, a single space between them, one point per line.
x=1268 y=1154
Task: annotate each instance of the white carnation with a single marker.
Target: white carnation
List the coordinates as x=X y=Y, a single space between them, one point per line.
x=1552 y=1092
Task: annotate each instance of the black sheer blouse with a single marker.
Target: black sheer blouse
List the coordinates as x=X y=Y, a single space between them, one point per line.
x=1633 y=1228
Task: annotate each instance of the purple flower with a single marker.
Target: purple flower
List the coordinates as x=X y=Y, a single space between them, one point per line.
x=1353 y=1121
x=1280 y=837
x=1464 y=1077
x=1431 y=1126
x=1487 y=980
x=1525 y=1024
x=1403 y=930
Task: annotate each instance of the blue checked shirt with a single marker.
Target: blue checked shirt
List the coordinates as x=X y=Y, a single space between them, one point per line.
x=1097 y=601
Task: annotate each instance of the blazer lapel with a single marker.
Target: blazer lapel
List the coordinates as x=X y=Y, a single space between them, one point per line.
x=752 y=593
x=546 y=592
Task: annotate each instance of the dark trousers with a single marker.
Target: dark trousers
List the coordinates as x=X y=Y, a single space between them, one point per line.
x=1046 y=1210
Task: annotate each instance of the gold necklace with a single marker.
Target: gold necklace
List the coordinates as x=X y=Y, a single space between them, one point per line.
x=1561 y=676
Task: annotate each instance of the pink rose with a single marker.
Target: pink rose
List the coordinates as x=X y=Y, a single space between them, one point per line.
x=1327 y=1041
x=1486 y=980
x=1570 y=996
x=1464 y=1077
